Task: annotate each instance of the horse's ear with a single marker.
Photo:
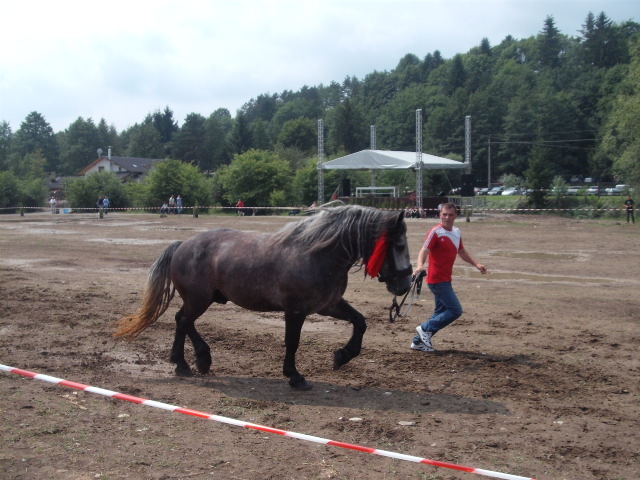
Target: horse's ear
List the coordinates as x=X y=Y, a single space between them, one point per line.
x=401 y=217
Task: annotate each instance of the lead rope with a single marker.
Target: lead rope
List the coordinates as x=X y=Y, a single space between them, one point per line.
x=415 y=288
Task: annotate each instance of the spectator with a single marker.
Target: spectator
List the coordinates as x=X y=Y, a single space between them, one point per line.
x=628 y=203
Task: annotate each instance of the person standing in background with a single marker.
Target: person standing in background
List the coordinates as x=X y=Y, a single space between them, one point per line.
x=629 y=204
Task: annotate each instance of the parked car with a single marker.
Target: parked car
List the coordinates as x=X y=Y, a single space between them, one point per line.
x=593 y=190
x=614 y=191
x=495 y=191
x=574 y=190
x=483 y=191
x=512 y=191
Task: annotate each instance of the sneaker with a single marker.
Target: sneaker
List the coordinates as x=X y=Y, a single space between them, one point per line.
x=422 y=347
x=425 y=337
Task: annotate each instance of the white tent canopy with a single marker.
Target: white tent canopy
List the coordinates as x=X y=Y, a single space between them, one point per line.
x=389 y=160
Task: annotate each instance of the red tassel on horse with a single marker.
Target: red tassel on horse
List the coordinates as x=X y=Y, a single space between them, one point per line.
x=376 y=260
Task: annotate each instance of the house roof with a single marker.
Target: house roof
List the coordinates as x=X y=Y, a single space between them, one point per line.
x=389 y=160
x=134 y=165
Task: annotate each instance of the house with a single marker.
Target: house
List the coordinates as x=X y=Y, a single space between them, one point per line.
x=126 y=168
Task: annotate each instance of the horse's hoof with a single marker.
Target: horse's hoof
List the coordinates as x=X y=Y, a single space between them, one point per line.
x=203 y=368
x=184 y=372
x=300 y=384
x=340 y=357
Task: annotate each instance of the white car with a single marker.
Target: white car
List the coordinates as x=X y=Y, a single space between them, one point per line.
x=495 y=191
x=512 y=191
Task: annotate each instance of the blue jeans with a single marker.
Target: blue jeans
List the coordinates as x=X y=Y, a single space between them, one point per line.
x=447 y=310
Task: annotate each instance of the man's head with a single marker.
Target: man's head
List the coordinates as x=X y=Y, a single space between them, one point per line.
x=448 y=215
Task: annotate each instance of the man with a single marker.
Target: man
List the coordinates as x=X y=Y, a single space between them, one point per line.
x=441 y=247
x=629 y=204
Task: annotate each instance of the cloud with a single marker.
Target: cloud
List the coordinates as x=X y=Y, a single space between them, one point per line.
x=123 y=59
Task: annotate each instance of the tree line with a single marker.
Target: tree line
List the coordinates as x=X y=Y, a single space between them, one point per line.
x=546 y=106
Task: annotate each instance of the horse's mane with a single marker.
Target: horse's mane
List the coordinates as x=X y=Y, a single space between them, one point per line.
x=353 y=228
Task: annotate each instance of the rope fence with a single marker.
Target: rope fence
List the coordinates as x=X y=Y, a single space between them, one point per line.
x=300 y=210
x=240 y=423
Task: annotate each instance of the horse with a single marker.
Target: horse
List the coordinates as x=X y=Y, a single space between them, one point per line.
x=300 y=270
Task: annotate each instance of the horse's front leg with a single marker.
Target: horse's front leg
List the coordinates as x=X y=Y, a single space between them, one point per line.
x=343 y=311
x=293 y=327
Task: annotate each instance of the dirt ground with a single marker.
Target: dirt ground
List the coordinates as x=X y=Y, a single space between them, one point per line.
x=539 y=378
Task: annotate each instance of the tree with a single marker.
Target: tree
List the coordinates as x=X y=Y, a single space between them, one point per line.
x=601 y=41
x=189 y=142
x=457 y=75
x=83 y=192
x=539 y=175
x=621 y=140
x=108 y=137
x=240 y=137
x=409 y=71
x=346 y=128
x=34 y=134
x=5 y=144
x=260 y=135
x=173 y=177
x=299 y=133
x=550 y=44
x=9 y=190
x=254 y=176
x=79 y=145
x=217 y=128
x=166 y=126
x=31 y=166
x=262 y=108
x=145 y=141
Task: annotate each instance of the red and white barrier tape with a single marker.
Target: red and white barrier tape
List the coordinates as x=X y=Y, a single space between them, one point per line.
x=240 y=423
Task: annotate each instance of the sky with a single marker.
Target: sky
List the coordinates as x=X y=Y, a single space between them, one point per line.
x=121 y=60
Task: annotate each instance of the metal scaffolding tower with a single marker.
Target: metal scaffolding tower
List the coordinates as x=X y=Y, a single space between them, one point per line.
x=373 y=147
x=467 y=142
x=320 y=159
x=419 y=158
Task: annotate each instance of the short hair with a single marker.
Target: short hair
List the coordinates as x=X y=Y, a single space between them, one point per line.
x=450 y=206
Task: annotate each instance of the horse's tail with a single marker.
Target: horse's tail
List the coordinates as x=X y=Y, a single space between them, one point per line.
x=155 y=301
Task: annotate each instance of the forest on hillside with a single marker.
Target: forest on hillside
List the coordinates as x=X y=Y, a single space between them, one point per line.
x=546 y=106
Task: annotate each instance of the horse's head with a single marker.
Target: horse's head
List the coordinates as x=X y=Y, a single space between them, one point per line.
x=396 y=270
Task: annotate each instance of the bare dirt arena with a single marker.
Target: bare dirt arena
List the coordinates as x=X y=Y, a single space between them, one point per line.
x=539 y=378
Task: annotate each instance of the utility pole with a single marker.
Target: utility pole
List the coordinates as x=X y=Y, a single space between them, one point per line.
x=489 y=161
x=320 y=159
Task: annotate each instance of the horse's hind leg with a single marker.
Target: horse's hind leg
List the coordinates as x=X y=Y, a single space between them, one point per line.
x=177 y=350
x=185 y=319
x=343 y=311
x=202 y=350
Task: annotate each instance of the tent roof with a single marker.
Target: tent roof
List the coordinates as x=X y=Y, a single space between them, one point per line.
x=389 y=160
